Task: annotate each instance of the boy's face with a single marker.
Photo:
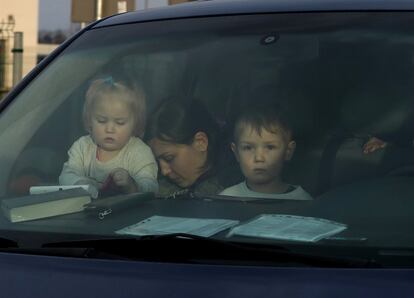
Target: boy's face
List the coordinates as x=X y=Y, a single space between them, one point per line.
x=112 y=123
x=261 y=157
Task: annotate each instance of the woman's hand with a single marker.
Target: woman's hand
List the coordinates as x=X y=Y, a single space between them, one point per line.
x=123 y=180
x=373 y=145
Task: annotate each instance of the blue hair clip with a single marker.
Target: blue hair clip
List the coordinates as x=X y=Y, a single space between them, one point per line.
x=109 y=80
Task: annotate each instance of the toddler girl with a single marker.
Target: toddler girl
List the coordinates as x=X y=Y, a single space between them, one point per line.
x=111 y=157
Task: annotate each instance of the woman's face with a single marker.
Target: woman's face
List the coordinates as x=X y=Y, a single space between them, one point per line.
x=181 y=163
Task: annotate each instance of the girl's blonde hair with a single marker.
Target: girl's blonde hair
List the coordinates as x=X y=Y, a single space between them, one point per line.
x=133 y=96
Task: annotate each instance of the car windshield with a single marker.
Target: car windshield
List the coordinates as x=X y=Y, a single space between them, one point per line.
x=288 y=128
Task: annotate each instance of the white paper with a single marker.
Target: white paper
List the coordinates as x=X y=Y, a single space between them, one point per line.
x=288 y=227
x=160 y=225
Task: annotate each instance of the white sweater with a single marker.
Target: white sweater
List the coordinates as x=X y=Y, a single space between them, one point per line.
x=136 y=158
x=241 y=190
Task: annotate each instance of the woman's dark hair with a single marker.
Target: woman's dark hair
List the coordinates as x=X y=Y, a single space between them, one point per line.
x=178 y=121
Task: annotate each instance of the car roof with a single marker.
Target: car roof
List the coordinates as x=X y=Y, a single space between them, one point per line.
x=233 y=7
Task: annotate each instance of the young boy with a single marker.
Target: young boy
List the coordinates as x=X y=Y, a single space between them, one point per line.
x=262 y=142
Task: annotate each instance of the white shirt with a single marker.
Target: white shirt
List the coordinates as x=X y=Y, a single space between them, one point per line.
x=241 y=190
x=136 y=158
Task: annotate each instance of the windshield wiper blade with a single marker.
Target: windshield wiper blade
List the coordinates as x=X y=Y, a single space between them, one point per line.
x=8 y=243
x=189 y=248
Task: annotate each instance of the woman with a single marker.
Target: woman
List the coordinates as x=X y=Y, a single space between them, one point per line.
x=183 y=137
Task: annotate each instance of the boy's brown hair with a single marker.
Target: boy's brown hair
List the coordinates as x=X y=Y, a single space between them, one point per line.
x=271 y=117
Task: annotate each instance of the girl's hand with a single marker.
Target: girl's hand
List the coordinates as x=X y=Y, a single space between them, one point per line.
x=123 y=180
x=373 y=145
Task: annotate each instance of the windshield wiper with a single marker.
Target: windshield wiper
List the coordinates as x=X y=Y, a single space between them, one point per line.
x=189 y=248
x=7 y=243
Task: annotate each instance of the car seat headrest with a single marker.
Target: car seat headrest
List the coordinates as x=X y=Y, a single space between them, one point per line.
x=375 y=111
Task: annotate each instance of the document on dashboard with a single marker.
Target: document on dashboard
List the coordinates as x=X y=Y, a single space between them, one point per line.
x=288 y=227
x=161 y=225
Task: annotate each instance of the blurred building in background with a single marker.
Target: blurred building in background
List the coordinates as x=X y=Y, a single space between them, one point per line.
x=87 y=11
x=21 y=18
x=17 y=16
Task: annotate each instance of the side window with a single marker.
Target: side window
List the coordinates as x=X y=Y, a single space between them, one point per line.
x=40 y=161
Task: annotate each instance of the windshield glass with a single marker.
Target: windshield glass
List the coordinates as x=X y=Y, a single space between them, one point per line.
x=276 y=128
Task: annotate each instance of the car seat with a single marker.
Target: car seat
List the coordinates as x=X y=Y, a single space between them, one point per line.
x=379 y=111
